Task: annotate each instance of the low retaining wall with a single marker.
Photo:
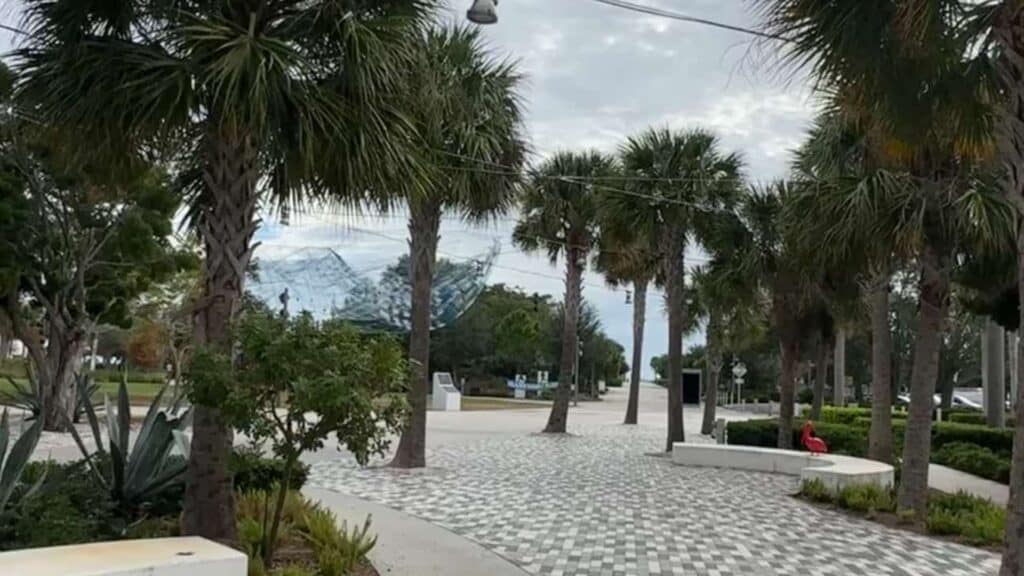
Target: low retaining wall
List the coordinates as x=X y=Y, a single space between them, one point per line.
x=835 y=471
x=189 y=556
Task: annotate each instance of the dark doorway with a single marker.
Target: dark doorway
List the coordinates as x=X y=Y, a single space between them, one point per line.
x=691 y=386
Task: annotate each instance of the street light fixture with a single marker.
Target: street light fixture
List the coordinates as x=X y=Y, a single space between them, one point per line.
x=483 y=12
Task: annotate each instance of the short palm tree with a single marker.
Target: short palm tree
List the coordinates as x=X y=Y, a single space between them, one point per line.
x=675 y=180
x=465 y=108
x=628 y=261
x=559 y=216
x=291 y=95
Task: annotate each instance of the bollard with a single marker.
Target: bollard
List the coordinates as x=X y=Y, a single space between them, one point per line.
x=721 y=431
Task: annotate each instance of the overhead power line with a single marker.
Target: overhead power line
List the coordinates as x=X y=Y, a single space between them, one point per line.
x=662 y=13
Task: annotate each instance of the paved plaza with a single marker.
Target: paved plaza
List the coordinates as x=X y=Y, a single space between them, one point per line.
x=600 y=502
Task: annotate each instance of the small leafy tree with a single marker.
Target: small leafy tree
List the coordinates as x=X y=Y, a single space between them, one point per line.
x=297 y=381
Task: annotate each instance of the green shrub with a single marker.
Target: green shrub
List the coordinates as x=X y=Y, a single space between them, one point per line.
x=841 y=438
x=254 y=472
x=868 y=498
x=815 y=491
x=805 y=396
x=70 y=507
x=759 y=432
x=960 y=514
x=838 y=414
x=998 y=440
x=974 y=459
x=976 y=419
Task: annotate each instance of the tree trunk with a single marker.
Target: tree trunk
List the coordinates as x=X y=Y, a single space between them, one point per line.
x=933 y=300
x=639 y=318
x=424 y=226
x=674 y=284
x=820 y=375
x=1009 y=34
x=714 y=365
x=880 y=438
x=993 y=360
x=839 y=369
x=54 y=361
x=575 y=259
x=790 y=348
x=226 y=225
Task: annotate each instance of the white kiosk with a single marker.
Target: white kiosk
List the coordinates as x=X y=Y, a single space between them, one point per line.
x=445 y=396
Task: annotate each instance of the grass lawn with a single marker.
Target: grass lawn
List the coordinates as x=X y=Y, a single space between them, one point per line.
x=474 y=403
x=140 y=393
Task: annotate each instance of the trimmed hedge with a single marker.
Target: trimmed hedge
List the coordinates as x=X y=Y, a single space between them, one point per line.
x=974 y=459
x=852 y=440
x=976 y=419
x=841 y=438
x=851 y=415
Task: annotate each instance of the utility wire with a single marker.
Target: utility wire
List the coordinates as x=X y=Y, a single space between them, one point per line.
x=650 y=10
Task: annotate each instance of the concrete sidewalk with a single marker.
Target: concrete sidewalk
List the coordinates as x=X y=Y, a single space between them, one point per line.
x=950 y=480
x=410 y=546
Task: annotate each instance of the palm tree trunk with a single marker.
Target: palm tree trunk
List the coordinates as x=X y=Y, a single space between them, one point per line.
x=573 y=294
x=639 y=317
x=839 y=369
x=933 y=300
x=424 y=226
x=1009 y=33
x=226 y=224
x=674 y=279
x=880 y=437
x=784 y=311
x=994 y=375
x=820 y=374
x=714 y=365
x=790 y=349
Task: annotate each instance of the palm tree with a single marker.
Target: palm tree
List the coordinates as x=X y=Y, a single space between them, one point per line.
x=676 y=179
x=628 y=261
x=560 y=217
x=925 y=105
x=286 y=94
x=464 y=106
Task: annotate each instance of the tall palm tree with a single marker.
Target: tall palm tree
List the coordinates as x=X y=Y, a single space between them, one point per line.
x=465 y=108
x=928 y=107
x=676 y=179
x=560 y=217
x=628 y=261
x=837 y=156
x=758 y=252
x=284 y=94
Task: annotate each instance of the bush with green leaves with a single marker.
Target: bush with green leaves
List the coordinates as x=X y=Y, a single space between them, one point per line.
x=294 y=382
x=816 y=491
x=69 y=507
x=978 y=520
x=868 y=498
x=253 y=471
x=140 y=475
x=304 y=524
x=841 y=438
x=977 y=419
x=974 y=459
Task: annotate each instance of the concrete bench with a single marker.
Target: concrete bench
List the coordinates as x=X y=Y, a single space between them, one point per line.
x=836 y=472
x=189 y=556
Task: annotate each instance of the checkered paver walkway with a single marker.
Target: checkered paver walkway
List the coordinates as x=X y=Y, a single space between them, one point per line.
x=598 y=503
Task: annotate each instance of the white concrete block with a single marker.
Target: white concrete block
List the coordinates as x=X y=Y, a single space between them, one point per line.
x=189 y=556
x=834 y=470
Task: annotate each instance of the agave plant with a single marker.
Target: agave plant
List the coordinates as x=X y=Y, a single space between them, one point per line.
x=137 y=473
x=26 y=396
x=13 y=464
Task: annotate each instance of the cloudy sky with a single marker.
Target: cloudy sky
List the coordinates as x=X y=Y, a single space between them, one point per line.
x=594 y=75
